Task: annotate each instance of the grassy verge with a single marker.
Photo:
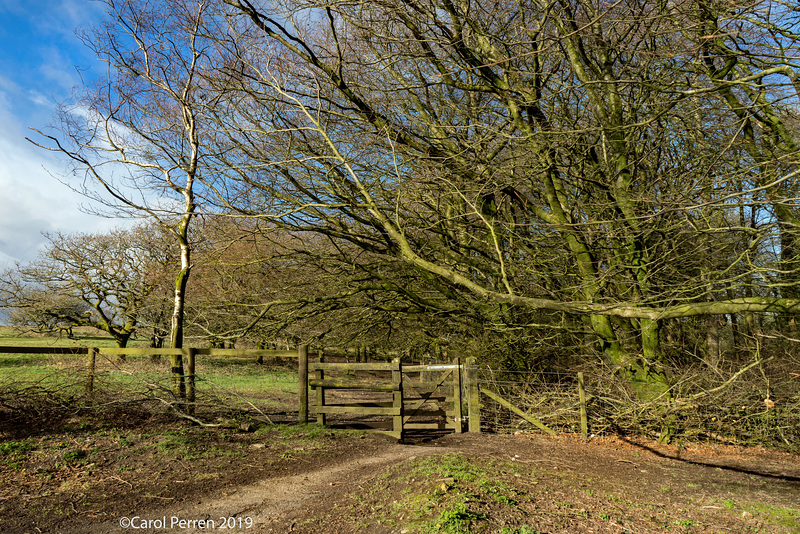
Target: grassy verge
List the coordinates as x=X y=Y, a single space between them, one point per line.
x=459 y=494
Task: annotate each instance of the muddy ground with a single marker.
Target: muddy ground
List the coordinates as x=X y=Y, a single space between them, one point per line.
x=152 y=474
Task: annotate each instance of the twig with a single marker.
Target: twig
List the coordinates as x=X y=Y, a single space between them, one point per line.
x=731 y=379
x=256 y=408
x=120 y=479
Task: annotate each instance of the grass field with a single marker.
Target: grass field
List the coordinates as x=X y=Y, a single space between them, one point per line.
x=219 y=379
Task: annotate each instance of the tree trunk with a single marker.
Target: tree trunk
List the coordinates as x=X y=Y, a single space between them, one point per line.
x=176 y=360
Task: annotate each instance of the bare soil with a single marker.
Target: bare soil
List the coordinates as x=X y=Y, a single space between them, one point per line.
x=151 y=474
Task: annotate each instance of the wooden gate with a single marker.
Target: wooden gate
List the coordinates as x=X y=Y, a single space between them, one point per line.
x=402 y=397
x=432 y=397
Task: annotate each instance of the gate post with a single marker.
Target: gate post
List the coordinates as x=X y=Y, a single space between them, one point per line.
x=302 y=383
x=458 y=413
x=397 y=398
x=582 y=398
x=473 y=396
x=91 y=358
x=191 y=356
x=320 y=375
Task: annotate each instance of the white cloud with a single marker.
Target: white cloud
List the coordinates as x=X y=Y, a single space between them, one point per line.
x=38 y=98
x=39 y=54
x=33 y=200
x=40 y=58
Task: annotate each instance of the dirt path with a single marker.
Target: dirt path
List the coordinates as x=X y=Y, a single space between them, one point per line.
x=276 y=505
x=311 y=480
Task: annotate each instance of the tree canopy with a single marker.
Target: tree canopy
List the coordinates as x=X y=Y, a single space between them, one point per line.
x=609 y=170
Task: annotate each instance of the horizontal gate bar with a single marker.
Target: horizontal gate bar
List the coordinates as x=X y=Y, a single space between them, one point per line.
x=412 y=368
x=317 y=366
x=43 y=350
x=365 y=410
x=331 y=383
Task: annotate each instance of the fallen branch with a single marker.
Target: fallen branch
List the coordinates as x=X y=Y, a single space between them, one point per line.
x=527 y=417
x=736 y=375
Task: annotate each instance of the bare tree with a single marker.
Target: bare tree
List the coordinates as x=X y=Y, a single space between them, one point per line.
x=269 y=285
x=102 y=281
x=558 y=156
x=135 y=134
x=556 y=168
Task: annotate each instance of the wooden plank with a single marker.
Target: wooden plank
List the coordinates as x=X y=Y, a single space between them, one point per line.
x=140 y=351
x=320 y=375
x=354 y=410
x=190 y=382
x=418 y=368
x=44 y=350
x=457 y=416
x=380 y=404
x=287 y=354
x=527 y=417
x=91 y=358
x=375 y=366
x=335 y=383
x=582 y=397
x=115 y=351
x=398 y=406
x=145 y=351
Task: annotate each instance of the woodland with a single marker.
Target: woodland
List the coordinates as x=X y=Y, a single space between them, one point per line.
x=544 y=184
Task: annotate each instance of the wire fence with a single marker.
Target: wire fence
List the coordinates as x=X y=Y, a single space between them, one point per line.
x=754 y=404
x=226 y=387
x=747 y=402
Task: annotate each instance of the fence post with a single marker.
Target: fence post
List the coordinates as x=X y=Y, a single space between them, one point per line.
x=91 y=357
x=584 y=418
x=397 y=398
x=190 y=391
x=320 y=375
x=473 y=396
x=302 y=383
x=458 y=415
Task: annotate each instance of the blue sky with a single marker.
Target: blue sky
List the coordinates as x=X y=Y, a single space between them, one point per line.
x=40 y=59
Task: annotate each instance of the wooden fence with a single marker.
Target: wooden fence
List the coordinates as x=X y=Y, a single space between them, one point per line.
x=414 y=389
x=448 y=392
x=190 y=355
x=435 y=391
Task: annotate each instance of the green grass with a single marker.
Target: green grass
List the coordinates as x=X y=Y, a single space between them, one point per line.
x=179 y=444
x=22 y=367
x=456 y=518
x=14 y=451
x=443 y=494
x=249 y=378
x=776 y=515
x=12 y=337
x=234 y=381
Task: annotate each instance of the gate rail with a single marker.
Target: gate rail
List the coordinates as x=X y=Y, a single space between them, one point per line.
x=400 y=385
